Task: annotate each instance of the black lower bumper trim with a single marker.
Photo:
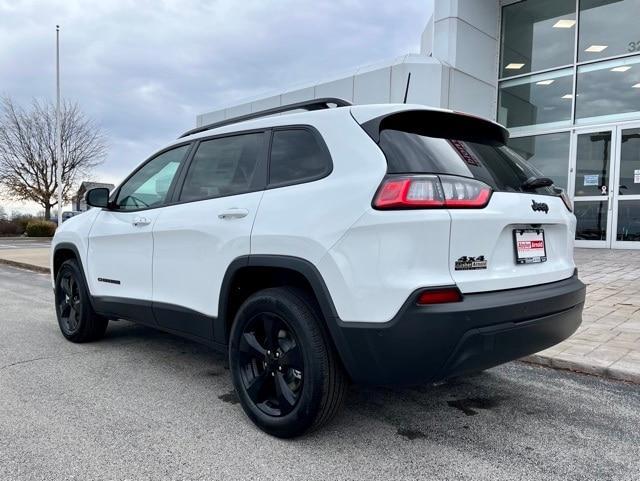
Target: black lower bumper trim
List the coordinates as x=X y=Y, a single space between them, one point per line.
x=431 y=343
x=486 y=347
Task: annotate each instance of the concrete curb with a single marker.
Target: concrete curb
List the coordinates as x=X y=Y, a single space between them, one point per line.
x=24 y=265
x=24 y=238
x=615 y=373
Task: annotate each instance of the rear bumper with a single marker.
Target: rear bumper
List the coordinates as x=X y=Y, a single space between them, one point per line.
x=431 y=343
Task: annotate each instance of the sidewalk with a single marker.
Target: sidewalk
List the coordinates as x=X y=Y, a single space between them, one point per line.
x=35 y=259
x=606 y=344
x=608 y=341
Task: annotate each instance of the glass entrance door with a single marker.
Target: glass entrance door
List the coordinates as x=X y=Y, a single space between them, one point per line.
x=606 y=186
x=626 y=209
x=592 y=186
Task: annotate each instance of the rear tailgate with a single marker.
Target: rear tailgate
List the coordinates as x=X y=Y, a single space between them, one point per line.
x=443 y=159
x=488 y=235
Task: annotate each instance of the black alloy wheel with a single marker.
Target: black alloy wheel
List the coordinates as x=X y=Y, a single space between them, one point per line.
x=287 y=375
x=271 y=364
x=69 y=303
x=76 y=317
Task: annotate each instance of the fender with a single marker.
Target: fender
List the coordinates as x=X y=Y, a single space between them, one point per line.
x=302 y=267
x=297 y=264
x=74 y=249
x=76 y=252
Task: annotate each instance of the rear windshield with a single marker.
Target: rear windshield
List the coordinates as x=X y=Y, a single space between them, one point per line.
x=492 y=163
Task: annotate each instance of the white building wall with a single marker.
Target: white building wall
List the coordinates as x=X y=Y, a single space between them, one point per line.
x=465 y=39
x=456 y=68
x=341 y=88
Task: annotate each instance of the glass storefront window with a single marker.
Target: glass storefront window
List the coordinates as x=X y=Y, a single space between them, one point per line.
x=608 y=28
x=539 y=99
x=592 y=220
x=628 y=220
x=593 y=163
x=537 y=35
x=549 y=153
x=608 y=90
x=630 y=163
x=560 y=70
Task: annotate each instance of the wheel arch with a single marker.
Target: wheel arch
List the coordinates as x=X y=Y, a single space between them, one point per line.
x=62 y=252
x=294 y=266
x=287 y=268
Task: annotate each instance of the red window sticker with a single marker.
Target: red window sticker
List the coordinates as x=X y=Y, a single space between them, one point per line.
x=464 y=152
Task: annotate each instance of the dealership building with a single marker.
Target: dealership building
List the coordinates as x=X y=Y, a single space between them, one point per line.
x=562 y=75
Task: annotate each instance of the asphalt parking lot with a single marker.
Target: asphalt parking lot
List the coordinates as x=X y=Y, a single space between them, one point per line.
x=146 y=405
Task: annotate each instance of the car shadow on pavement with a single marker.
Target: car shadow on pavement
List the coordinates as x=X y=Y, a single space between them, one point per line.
x=514 y=398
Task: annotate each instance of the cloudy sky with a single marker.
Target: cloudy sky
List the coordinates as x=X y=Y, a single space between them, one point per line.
x=143 y=69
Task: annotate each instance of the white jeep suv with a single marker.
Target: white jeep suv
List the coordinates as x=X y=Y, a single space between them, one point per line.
x=377 y=244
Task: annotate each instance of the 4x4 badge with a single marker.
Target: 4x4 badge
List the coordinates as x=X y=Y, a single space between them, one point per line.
x=539 y=207
x=466 y=263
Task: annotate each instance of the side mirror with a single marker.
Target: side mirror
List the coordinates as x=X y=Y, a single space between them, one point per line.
x=98 y=197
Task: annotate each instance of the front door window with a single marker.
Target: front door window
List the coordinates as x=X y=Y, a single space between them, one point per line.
x=149 y=186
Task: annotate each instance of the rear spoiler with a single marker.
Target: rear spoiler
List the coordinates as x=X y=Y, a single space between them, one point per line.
x=439 y=124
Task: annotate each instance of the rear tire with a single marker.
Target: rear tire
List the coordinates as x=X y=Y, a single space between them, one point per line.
x=285 y=371
x=77 y=320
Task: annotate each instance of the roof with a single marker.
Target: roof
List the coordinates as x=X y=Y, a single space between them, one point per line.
x=85 y=186
x=361 y=113
x=307 y=105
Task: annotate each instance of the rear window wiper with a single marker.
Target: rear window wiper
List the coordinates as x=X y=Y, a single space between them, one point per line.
x=533 y=183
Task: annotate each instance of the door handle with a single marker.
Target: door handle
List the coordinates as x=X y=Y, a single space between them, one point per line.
x=233 y=213
x=140 y=221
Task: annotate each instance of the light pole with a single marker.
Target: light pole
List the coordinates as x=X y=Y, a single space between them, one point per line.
x=58 y=128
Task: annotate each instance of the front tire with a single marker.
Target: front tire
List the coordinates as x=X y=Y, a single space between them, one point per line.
x=77 y=320
x=287 y=376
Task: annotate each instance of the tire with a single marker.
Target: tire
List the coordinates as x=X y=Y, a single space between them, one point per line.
x=77 y=320
x=286 y=373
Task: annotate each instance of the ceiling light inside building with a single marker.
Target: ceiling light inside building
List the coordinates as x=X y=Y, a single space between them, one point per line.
x=514 y=66
x=596 y=48
x=566 y=23
x=567 y=96
x=545 y=82
x=636 y=86
x=622 y=68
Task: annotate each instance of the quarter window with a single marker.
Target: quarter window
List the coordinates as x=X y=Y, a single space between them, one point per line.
x=149 y=186
x=297 y=156
x=223 y=166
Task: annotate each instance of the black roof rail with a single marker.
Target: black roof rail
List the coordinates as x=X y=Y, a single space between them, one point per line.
x=315 y=104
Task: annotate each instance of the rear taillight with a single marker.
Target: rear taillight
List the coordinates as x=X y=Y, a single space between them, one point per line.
x=567 y=201
x=431 y=191
x=439 y=296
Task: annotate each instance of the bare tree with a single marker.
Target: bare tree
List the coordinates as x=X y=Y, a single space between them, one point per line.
x=28 y=163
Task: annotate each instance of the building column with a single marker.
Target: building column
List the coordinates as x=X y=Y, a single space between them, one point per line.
x=463 y=35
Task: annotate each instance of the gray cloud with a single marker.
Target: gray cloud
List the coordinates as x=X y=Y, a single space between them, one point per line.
x=143 y=69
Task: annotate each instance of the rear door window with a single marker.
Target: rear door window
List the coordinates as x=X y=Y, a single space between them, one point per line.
x=297 y=156
x=223 y=166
